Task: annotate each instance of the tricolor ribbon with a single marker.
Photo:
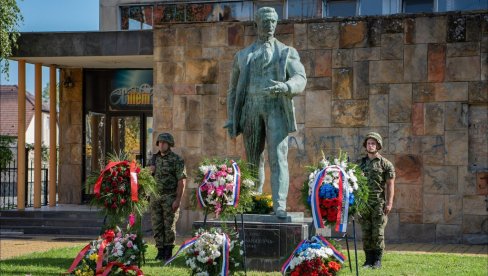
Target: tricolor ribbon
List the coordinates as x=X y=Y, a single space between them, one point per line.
x=124 y=268
x=337 y=254
x=237 y=184
x=78 y=258
x=225 y=255
x=342 y=214
x=183 y=247
x=285 y=266
x=201 y=202
x=133 y=182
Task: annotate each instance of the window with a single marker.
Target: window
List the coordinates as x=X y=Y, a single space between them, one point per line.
x=341 y=8
x=461 y=5
x=371 y=7
x=136 y=17
x=418 y=6
x=298 y=9
x=277 y=5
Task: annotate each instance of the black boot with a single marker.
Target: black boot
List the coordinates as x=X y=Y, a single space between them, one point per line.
x=168 y=252
x=369 y=258
x=160 y=255
x=378 y=254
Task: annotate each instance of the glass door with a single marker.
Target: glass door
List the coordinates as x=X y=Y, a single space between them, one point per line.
x=125 y=136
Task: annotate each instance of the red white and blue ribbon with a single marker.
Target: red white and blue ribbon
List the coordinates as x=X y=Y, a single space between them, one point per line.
x=315 y=199
x=237 y=184
x=342 y=214
x=201 y=202
x=285 y=266
x=183 y=247
x=337 y=254
x=133 y=182
x=225 y=255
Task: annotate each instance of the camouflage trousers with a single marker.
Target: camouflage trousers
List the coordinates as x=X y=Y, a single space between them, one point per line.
x=163 y=219
x=373 y=226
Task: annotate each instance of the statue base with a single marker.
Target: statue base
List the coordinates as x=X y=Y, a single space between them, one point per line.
x=269 y=240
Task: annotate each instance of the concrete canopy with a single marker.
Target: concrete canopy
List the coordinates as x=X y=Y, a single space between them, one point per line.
x=118 y=49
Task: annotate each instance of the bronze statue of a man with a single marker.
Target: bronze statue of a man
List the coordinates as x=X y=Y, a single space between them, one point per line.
x=265 y=77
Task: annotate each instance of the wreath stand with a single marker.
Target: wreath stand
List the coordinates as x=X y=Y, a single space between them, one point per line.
x=243 y=239
x=346 y=236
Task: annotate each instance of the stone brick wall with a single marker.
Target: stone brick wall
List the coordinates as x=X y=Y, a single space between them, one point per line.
x=70 y=137
x=421 y=82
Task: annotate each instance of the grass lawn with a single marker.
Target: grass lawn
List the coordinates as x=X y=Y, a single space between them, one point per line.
x=56 y=261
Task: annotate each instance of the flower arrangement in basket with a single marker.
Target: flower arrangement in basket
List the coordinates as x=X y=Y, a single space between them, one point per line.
x=122 y=189
x=334 y=191
x=113 y=253
x=212 y=252
x=224 y=183
x=316 y=256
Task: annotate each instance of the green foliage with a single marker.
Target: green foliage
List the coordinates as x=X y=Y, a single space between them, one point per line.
x=6 y=154
x=44 y=150
x=10 y=19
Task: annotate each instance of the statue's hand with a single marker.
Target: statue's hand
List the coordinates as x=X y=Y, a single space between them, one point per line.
x=277 y=88
x=230 y=128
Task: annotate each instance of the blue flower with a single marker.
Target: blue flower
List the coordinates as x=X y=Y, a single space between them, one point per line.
x=351 y=199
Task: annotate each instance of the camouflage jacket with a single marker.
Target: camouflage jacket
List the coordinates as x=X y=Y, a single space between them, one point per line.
x=377 y=170
x=170 y=168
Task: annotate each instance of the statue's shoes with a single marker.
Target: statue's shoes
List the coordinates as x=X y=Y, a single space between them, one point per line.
x=281 y=214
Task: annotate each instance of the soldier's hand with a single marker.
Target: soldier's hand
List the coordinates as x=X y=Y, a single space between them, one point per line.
x=175 y=205
x=388 y=208
x=278 y=87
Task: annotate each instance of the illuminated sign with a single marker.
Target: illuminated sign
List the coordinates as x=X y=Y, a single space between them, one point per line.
x=132 y=97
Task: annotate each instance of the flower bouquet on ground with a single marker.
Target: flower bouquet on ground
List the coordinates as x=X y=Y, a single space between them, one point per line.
x=316 y=256
x=262 y=204
x=113 y=253
x=212 y=252
x=334 y=191
x=122 y=189
x=224 y=183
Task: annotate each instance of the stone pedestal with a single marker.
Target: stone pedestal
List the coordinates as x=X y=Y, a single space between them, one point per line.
x=269 y=241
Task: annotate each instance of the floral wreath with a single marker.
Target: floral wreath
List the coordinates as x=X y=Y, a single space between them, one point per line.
x=335 y=191
x=224 y=183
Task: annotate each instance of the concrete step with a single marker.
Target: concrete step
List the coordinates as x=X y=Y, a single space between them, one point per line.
x=52 y=230
x=52 y=214
x=57 y=222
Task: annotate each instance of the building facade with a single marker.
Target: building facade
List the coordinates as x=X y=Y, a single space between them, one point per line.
x=420 y=80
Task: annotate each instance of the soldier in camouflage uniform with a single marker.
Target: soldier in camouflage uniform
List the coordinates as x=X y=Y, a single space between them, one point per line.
x=381 y=178
x=169 y=172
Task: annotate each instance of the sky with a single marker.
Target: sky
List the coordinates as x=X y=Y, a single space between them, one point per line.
x=52 y=16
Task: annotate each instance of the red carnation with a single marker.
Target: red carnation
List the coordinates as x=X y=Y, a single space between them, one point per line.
x=331 y=217
x=210 y=261
x=107 y=189
x=323 y=212
x=109 y=235
x=114 y=206
x=114 y=173
x=138 y=170
x=123 y=201
x=334 y=266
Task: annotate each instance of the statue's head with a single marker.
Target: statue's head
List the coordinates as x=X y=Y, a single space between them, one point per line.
x=266 y=19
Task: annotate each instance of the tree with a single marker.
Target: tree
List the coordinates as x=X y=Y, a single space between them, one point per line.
x=6 y=154
x=10 y=19
x=45 y=93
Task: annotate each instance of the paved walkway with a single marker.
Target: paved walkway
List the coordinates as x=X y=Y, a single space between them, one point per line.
x=16 y=246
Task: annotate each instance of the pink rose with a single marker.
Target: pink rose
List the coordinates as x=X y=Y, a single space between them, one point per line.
x=229 y=187
x=129 y=244
x=220 y=190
